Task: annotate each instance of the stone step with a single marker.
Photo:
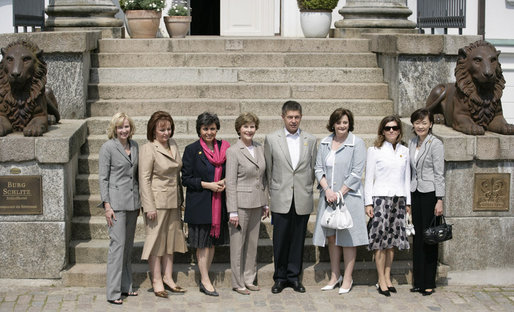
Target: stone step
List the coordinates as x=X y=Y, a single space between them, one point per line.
x=296 y=91
x=233 y=44
x=95 y=251
x=221 y=75
x=188 y=275
x=267 y=124
x=95 y=227
x=86 y=205
x=232 y=106
x=209 y=59
x=94 y=143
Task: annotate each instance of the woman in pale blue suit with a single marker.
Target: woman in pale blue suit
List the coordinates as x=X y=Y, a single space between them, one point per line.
x=119 y=192
x=345 y=154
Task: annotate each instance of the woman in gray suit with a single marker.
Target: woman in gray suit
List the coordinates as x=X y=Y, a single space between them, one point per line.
x=245 y=181
x=119 y=191
x=339 y=166
x=427 y=192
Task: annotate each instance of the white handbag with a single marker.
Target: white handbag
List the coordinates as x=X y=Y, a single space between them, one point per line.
x=336 y=216
x=409 y=227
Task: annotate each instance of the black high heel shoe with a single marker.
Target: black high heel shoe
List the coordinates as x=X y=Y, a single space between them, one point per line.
x=213 y=293
x=392 y=289
x=416 y=289
x=427 y=293
x=383 y=292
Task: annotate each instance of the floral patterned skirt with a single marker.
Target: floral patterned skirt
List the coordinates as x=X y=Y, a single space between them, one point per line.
x=387 y=228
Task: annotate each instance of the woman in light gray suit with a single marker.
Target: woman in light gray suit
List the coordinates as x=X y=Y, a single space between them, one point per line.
x=339 y=166
x=119 y=191
x=247 y=199
x=427 y=192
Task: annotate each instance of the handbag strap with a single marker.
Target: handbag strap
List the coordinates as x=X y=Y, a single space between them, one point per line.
x=434 y=221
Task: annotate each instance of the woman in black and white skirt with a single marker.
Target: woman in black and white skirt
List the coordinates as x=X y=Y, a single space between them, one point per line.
x=387 y=198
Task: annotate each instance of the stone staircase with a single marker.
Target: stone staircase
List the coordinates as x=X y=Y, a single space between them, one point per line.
x=227 y=76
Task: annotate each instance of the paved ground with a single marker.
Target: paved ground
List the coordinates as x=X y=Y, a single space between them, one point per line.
x=361 y=298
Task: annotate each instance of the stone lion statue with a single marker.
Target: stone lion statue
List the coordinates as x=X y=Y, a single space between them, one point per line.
x=473 y=103
x=25 y=105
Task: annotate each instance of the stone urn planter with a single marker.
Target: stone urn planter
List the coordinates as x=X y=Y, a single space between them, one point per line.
x=143 y=23
x=315 y=24
x=177 y=26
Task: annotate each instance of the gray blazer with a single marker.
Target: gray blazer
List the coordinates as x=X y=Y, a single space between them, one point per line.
x=117 y=173
x=284 y=182
x=245 y=177
x=427 y=174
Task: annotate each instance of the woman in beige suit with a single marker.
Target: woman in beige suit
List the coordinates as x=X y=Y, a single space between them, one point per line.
x=161 y=197
x=245 y=181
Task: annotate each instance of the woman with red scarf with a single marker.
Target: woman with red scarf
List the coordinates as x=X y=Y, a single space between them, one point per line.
x=203 y=173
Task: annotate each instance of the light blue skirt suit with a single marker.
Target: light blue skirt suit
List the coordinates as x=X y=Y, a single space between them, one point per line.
x=350 y=160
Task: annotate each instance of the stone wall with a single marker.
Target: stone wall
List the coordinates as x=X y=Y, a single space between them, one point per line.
x=67 y=55
x=35 y=246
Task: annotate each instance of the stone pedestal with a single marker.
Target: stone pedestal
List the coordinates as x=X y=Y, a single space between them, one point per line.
x=371 y=16
x=481 y=239
x=413 y=64
x=35 y=246
x=68 y=56
x=64 y=15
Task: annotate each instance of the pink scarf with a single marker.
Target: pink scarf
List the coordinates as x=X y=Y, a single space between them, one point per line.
x=217 y=159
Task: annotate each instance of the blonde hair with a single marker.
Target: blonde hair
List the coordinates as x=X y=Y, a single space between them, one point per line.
x=116 y=121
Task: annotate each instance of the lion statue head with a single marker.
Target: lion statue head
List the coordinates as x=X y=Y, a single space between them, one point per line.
x=479 y=77
x=22 y=88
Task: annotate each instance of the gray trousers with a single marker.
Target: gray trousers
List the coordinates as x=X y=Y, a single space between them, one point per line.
x=119 y=262
x=243 y=247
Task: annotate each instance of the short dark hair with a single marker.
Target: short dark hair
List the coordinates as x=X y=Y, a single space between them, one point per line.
x=337 y=115
x=154 y=120
x=245 y=118
x=387 y=119
x=420 y=114
x=291 y=106
x=205 y=119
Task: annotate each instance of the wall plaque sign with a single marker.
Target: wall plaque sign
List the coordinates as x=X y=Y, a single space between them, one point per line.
x=21 y=195
x=492 y=192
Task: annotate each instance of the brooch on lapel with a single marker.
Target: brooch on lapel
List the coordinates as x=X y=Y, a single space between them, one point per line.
x=199 y=153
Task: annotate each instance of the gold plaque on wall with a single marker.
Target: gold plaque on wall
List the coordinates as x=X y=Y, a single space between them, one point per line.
x=492 y=192
x=21 y=195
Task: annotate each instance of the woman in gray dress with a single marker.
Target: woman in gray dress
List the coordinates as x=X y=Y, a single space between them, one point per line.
x=339 y=166
x=119 y=191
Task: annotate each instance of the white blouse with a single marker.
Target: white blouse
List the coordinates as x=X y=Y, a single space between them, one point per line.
x=387 y=172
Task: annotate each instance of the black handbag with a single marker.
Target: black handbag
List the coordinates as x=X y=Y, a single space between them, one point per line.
x=435 y=233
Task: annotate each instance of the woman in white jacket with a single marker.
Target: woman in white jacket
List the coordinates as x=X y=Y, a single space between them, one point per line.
x=387 y=198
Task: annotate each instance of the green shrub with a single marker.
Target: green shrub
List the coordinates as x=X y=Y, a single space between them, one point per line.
x=156 y=5
x=317 y=4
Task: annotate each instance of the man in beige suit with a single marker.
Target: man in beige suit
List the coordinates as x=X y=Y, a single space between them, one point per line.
x=247 y=200
x=290 y=158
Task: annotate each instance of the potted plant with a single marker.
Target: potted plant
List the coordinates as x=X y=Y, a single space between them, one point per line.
x=316 y=17
x=178 y=20
x=143 y=17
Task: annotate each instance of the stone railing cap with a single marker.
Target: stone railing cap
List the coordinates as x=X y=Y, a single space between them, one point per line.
x=418 y=44
x=57 y=146
x=462 y=147
x=57 y=41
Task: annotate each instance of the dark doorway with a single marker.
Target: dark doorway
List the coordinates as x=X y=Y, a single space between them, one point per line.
x=206 y=17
